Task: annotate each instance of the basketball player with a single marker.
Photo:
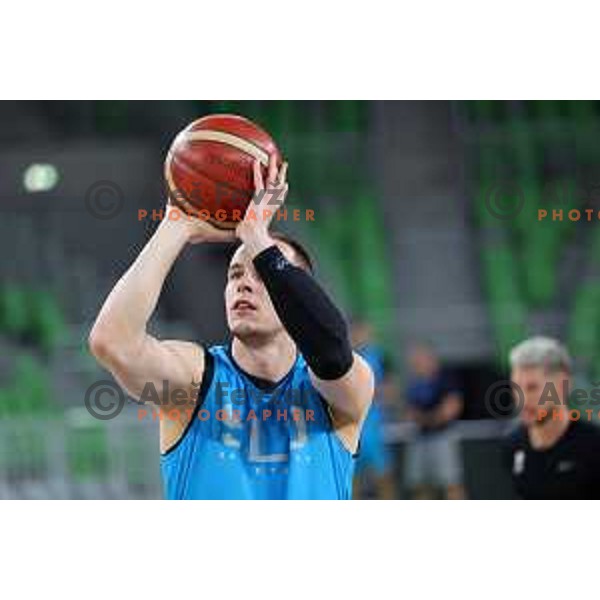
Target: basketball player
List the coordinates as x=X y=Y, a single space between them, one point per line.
x=276 y=412
x=551 y=457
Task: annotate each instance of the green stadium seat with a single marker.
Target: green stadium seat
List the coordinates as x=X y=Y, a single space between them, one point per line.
x=345 y=115
x=88 y=453
x=14 y=313
x=371 y=267
x=30 y=389
x=507 y=310
x=46 y=326
x=584 y=326
x=539 y=265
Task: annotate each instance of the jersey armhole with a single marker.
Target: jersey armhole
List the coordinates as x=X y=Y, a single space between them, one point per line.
x=207 y=377
x=327 y=410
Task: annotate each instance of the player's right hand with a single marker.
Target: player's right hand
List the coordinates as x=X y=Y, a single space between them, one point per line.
x=197 y=231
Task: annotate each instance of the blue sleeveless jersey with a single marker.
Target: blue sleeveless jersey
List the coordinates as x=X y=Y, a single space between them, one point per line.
x=244 y=442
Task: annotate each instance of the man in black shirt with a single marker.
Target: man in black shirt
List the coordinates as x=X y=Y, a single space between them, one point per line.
x=554 y=454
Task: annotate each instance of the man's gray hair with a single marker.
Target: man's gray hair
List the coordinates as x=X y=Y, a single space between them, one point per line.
x=541 y=352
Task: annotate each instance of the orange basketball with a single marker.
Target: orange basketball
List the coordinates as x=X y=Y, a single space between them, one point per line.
x=209 y=167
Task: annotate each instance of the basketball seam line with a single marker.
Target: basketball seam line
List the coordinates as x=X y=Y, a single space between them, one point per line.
x=229 y=139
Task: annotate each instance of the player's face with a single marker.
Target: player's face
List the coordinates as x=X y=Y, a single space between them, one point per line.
x=250 y=312
x=541 y=393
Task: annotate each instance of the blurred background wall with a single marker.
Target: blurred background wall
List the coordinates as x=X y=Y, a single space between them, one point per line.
x=424 y=225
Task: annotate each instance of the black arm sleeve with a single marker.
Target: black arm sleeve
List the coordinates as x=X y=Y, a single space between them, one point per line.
x=308 y=315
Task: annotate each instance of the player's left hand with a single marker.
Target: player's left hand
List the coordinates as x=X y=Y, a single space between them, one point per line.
x=253 y=230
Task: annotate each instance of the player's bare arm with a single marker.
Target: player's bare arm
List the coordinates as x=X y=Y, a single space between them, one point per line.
x=341 y=376
x=450 y=408
x=119 y=338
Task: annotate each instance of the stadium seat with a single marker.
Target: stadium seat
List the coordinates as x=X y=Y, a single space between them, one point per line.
x=370 y=265
x=46 y=320
x=14 y=314
x=29 y=391
x=506 y=308
x=87 y=451
x=584 y=326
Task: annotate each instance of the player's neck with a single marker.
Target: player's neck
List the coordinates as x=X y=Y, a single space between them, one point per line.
x=270 y=361
x=544 y=435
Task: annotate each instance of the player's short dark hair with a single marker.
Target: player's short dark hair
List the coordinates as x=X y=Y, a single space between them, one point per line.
x=297 y=247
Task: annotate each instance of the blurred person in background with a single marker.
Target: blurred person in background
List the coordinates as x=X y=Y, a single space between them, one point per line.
x=390 y=394
x=551 y=455
x=433 y=403
x=374 y=477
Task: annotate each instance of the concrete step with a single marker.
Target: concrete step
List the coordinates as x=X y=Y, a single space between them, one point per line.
x=437 y=288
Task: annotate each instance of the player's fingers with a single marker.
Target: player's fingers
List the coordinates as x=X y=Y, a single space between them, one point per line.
x=221 y=235
x=227 y=235
x=282 y=196
x=258 y=178
x=272 y=177
x=283 y=173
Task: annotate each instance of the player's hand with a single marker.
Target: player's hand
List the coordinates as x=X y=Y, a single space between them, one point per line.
x=253 y=230
x=196 y=230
